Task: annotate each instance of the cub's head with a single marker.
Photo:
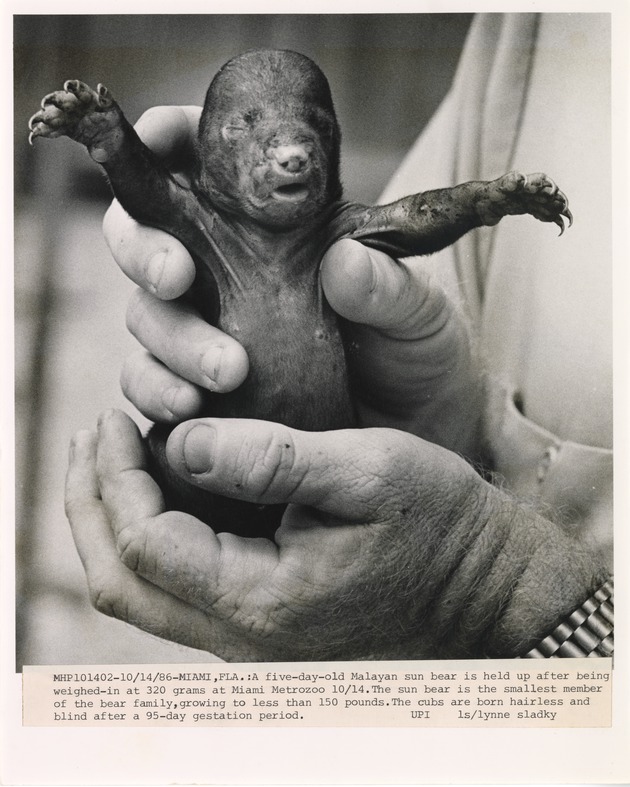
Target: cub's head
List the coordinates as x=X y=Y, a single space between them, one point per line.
x=269 y=139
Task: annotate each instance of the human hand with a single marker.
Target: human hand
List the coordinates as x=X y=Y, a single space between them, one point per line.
x=390 y=547
x=410 y=356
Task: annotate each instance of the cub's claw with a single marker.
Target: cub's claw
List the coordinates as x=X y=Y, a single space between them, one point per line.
x=559 y=221
x=104 y=95
x=560 y=224
x=77 y=111
x=516 y=194
x=566 y=212
x=34 y=131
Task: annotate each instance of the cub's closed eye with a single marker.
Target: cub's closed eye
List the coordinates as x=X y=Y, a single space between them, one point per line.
x=231 y=132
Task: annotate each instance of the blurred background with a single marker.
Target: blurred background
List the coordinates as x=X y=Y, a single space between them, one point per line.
x=388 y=74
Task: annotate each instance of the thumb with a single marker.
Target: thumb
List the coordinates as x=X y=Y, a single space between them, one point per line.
x=350 y=474
x=170 y=131
x=367 y=286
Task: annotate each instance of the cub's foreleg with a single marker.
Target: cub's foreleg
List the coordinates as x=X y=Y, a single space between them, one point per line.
x=430 y=221
x=140 y=182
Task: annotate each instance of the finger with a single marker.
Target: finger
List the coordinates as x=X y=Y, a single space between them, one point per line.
x=114 y=589
x=351 y=474
x=120 y=446
x=133 y=500
x=173 y=332
x=153 y=259
x=83 y=504
x=409 y=346
x=173 y=550
x=369 y=287
x=157 y=392
x=170 y=131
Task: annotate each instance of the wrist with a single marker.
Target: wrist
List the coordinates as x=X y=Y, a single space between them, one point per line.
x=517 y=577
x=546 y=575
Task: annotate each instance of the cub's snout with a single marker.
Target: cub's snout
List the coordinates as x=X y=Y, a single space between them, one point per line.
x=289 y=158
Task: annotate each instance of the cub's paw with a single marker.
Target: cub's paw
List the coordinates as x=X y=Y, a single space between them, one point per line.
x=77 y=111
x=515 y=194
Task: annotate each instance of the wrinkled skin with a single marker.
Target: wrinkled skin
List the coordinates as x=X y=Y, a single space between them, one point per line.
x=269 y=141
x=264 y=207
x=391 y=547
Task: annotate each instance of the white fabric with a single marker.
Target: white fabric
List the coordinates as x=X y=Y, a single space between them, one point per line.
x=532 y=92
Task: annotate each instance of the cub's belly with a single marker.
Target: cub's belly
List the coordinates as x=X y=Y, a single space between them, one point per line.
x=297 y=366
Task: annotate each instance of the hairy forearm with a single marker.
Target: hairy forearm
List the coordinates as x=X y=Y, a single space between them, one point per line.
x=560 y=574
x=520 y=577
x=488 y=579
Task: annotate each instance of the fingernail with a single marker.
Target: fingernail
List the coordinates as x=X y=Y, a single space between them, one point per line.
x=103 y=418
x=170 y=398
x=211 y=365
x=198 y=449
x=100 y=155
x=80 y=444
x=155 y=268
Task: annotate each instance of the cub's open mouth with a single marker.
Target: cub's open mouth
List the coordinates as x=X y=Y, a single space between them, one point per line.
x=291 y=192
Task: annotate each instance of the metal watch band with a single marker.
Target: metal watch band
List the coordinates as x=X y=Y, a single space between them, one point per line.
x=587 y=632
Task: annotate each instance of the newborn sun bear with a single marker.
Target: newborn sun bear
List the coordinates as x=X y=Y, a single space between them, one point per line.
x=264 y=205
